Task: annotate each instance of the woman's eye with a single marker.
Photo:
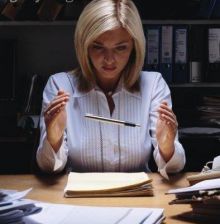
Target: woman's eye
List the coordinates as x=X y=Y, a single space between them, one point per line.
x=121 y=48
x=97 y=47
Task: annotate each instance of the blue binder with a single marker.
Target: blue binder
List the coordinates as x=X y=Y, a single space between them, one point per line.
x=166 y=64
x=181 y=65
x=152 y=60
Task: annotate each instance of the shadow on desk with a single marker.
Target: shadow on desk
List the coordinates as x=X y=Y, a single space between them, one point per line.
x=195 y=218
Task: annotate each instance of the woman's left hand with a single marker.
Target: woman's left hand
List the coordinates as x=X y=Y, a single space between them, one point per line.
x=166 y=129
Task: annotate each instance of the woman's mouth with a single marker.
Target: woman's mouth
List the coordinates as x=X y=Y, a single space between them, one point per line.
x=109 y=68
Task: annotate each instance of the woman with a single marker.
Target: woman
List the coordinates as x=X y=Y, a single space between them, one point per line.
x=110 y=47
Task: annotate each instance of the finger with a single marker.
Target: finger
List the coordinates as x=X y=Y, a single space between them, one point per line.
x=166 y=112
x=165 y=107
x=60 y=92
x=58 y=111
x=61 y=95
x=164 y=102
x=170 y=122
x=55 y=109
x=49 y=116
x=168 y=119
x=57 y=101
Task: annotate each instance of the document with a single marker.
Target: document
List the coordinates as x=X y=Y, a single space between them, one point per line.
x=108 y=184
x=68 y=214
x=201 y=186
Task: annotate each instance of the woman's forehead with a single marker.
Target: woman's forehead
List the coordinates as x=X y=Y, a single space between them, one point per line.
x=116 y=35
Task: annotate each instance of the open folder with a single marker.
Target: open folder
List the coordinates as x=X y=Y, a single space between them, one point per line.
x=108 y=184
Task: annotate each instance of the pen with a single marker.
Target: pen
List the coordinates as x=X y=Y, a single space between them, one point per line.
x=109 y=120
x=57 y=87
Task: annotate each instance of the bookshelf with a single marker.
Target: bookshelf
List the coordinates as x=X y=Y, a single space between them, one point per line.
x=46 y=47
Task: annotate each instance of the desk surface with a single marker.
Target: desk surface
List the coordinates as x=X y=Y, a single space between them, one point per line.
x=50 y=189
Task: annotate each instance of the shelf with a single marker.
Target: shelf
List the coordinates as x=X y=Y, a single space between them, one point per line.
x=73 y=22
x=37 y=23
x=196 y=85
x=190 y=22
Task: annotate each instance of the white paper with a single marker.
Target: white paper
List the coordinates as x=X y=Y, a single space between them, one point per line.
x=203 y=185
x=13 y=195
x=68 y=214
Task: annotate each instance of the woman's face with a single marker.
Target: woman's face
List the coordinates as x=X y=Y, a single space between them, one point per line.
x=110 y=53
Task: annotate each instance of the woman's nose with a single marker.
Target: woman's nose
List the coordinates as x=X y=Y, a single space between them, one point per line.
x=109 y=57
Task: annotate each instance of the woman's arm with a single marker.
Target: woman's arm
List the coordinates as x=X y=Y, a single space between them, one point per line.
x=169 y=153
x=52 y=150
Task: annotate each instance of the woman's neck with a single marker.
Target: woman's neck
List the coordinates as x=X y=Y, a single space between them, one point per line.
x=108 y=86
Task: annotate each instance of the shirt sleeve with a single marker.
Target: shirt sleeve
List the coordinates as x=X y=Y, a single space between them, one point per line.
x=161 y=93
x=47 y=159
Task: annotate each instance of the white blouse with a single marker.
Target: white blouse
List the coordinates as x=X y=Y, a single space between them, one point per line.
x=89 y=145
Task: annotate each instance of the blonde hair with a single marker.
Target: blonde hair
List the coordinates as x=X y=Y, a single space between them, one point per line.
x=98 y=17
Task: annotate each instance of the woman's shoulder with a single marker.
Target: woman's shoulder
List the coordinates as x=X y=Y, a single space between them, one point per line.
x=62 y=76
x=151 y=81
x=150 y=77
x=63 y=80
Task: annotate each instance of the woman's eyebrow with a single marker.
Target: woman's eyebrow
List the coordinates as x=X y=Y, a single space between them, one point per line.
x=122 y=42
x=96 y=42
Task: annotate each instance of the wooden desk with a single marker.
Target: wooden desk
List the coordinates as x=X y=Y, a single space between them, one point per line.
x=50 y=189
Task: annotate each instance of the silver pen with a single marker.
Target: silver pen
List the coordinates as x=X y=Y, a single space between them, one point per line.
x=110 y=120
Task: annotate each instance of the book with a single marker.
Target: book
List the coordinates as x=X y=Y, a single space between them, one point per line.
x=108 y=184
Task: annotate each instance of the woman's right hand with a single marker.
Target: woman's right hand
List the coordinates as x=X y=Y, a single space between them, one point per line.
x=55 y=119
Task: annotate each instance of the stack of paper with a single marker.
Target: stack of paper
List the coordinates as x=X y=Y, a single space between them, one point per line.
x=68 y=214
x=108 y=184
x=13 y=208
x=204 y=198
